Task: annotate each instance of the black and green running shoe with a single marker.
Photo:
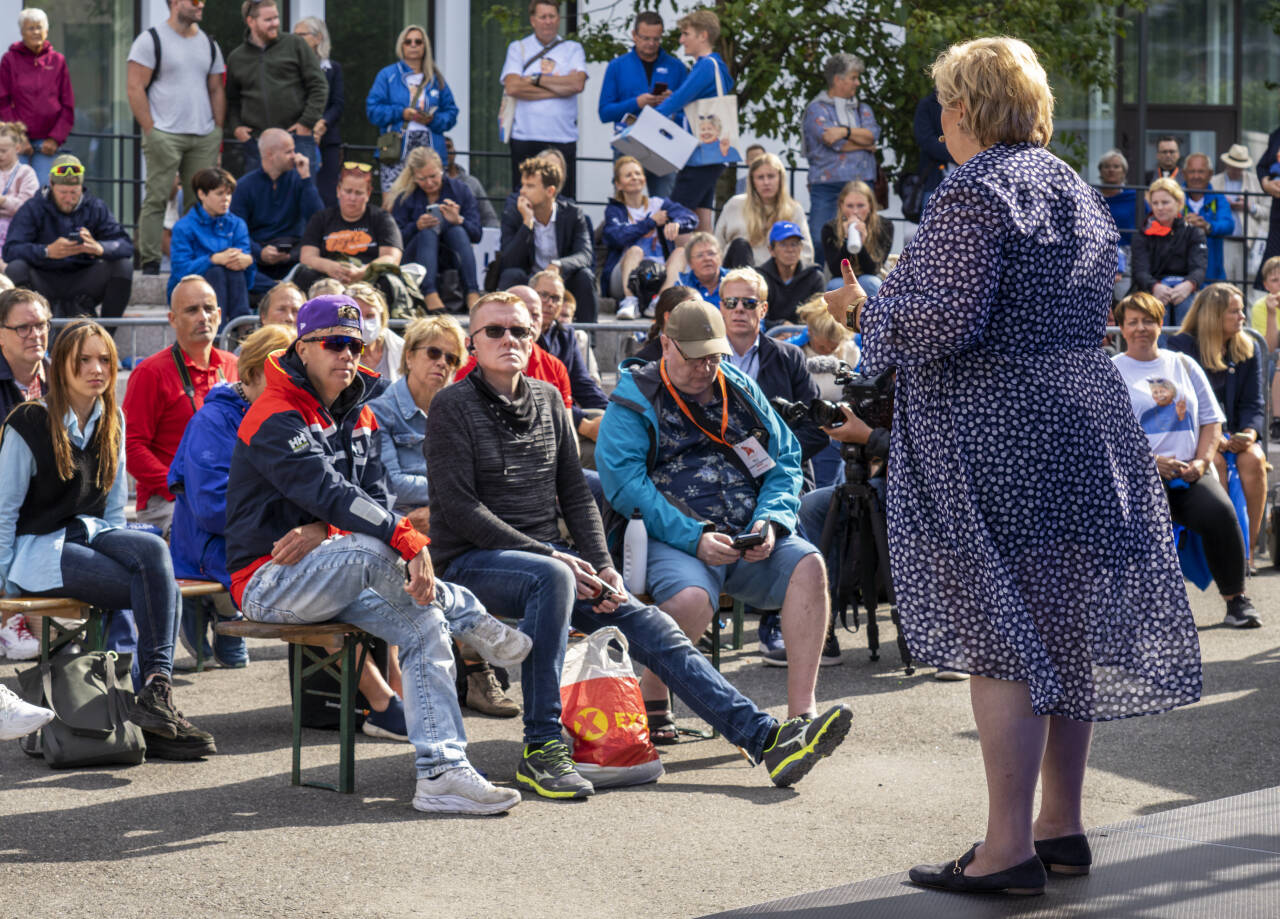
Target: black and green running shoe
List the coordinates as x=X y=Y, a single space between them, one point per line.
x=800 y=743
x=548 y=769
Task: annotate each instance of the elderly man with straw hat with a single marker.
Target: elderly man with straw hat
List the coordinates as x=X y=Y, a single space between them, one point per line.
x=1249 y=205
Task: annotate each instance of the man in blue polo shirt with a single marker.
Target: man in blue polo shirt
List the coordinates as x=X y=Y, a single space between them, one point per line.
x=631 y=82
x=699 y=265
x=276 y=201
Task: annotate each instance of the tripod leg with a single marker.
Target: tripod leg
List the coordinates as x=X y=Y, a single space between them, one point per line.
x=882 y=550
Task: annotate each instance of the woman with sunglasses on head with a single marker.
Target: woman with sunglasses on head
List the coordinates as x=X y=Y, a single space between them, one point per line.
x=341 y=242
x=411 y=97
x=62 y=525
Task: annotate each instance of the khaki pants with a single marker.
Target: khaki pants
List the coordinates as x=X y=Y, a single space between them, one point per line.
x=167 y=155
x=158 y=513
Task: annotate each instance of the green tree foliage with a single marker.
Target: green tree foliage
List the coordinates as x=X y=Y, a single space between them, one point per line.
x=775 y=50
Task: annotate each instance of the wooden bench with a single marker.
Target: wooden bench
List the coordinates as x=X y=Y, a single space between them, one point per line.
x=342 y=665
x=90 y=626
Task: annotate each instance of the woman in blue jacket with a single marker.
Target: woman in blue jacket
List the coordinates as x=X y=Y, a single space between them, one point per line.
x=214 y=243
x=410 y=96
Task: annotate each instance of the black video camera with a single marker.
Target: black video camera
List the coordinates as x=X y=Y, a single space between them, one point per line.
x=871 y=399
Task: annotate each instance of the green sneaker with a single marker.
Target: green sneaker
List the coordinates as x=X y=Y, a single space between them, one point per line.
x=549 y=770
x=800 y=743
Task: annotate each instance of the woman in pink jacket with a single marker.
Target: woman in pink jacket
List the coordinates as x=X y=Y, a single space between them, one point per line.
x=18 y=182
x=35 y=89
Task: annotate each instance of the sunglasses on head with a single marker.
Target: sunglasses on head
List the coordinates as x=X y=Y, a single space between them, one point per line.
x=356 y=167
x=340 y=343
x=435 y=354
x=67 y=169
x=518 y=332
x=735 y=303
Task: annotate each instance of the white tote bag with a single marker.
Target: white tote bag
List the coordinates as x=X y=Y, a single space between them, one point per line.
x=713 y=122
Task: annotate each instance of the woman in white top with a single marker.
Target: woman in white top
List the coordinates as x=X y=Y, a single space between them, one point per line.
x=744 y=224
x=1177 y=409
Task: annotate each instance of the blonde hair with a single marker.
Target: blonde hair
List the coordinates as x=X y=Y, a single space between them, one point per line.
x=702 y=21
x=324 y=286
x=761 y=216
x=1169 y=187
x=748 y=276
x=1140 y=302
x=821 y=324
x=1204 y=322
x=1003 y=88
x=872 y=242
x=364 y=292
x=255 y=350
x=417 y=158
x=1270 y=265
x=546 y=274
x=427 y=328
x=63 y=362
x=428 y=59
x=15 y=130
x=498 y=296
x=617 y=168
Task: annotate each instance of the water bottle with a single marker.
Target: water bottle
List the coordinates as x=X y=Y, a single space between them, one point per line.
x=635 y=554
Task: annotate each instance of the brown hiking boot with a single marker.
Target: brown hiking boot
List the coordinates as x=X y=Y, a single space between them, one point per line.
x=485 y=695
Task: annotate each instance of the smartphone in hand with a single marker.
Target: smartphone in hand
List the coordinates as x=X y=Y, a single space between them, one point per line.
x=744 y=541
x=659 y=88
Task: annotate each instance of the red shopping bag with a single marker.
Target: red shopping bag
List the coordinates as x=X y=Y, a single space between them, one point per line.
x=603 y=713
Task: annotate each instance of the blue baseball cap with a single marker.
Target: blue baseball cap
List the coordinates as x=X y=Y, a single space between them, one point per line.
x=329 y=312
x=784 y=229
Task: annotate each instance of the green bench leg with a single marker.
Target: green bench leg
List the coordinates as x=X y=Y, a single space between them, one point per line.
x=347 y=673
x=90 y=632
x=202 y=623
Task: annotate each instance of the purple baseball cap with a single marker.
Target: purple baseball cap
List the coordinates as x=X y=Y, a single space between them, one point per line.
x=328 y=312
x=784 y=229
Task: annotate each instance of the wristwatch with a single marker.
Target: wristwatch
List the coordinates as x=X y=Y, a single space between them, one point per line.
x=537 y=79
x=851 y=313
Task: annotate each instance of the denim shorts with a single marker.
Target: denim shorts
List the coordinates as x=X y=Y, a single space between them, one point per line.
x=759 y=584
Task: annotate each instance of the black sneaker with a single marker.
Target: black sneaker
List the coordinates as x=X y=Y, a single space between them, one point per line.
x=191 y=743
x=830 y=652
x=151 y=268
x=1241 y=614
x=153 y=711
x=549 y=770
x=799 y=743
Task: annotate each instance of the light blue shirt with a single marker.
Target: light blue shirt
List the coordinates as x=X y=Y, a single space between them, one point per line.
x=37 y=558
x=748 y=363
x=402 y=431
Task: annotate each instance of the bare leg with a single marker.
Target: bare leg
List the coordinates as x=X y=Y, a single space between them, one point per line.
x=691 y=609
x=630 y=259
x=1013 y=743
x=678 y=263
x=1252 y=467
x=1062 y=778
x=704 y=219
x=804 y=627
x=372 y=685
x=394 y=680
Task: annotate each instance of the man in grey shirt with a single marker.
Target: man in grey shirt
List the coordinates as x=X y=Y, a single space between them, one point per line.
x=175 y=92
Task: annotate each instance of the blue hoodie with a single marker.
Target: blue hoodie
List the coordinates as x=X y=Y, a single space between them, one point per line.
x=198 y=481
x=390 y=95
x=627 y=449
x=197 y=236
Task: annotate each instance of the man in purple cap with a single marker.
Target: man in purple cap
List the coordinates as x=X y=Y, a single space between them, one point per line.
x=310 y=539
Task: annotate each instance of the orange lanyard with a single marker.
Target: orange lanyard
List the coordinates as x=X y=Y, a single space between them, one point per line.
x=724 y=405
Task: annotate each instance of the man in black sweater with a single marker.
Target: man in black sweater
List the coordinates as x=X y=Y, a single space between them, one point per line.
x=501 y=456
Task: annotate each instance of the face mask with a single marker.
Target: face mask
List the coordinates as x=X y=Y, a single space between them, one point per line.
x=369 y=329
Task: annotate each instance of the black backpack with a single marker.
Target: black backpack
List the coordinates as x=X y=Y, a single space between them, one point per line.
x=155 y=40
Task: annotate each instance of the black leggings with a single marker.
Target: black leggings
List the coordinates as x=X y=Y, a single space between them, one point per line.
x=1204 y=509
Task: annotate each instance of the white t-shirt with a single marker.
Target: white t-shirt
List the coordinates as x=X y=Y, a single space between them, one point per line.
x=649 y=244
x=1172 y=399
x=554 y=120
x=179 y=97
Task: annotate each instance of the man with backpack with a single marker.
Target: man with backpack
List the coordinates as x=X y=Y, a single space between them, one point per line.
x=176 y=95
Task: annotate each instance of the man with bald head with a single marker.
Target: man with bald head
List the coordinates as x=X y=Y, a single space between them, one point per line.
x=166 y=389
x=276 y=201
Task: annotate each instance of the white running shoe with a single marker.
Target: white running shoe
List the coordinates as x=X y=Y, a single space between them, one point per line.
x=498 y=643
x=16 y=640
x=462 y=790
x=629 y=308
x=19 y=718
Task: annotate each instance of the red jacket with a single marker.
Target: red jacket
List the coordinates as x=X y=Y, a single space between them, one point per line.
x=543 y=365
x=156 y=412
x=36 y=90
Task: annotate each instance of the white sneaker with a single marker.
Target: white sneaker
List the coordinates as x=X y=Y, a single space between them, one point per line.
x=19 y=718
x=17 y=641
x=628 y=309
x=462 y=790
x=498 y=643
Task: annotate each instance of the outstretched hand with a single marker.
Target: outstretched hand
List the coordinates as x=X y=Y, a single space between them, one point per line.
x=839 y=300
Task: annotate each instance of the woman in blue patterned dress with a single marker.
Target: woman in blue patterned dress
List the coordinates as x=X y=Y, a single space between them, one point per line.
x=1030 y=541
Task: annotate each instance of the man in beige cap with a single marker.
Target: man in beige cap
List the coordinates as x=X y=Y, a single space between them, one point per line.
x=1250 y=206
x=66 y=244
x=692 y=443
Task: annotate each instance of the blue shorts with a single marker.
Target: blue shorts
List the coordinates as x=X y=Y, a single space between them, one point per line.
x=759 y=584
x=696 y=186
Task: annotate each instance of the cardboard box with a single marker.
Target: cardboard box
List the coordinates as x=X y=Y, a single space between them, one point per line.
x=661 y=145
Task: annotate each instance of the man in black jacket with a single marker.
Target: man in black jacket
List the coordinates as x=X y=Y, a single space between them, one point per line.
x=24 y=345
x=934 y=156
x=790 y=281
x=544 y=230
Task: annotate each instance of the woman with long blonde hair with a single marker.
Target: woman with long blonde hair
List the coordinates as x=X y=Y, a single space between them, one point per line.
x=1213 y=334
x=744 y=224
x=62 y=525
x=858 y=233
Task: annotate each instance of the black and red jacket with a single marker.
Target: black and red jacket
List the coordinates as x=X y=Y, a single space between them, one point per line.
x=296 y=462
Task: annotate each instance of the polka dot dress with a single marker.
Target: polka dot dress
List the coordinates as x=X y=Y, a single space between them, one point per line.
x=1029 y=532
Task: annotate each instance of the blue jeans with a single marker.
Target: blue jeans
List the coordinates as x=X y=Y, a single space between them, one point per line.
x=127 y=569
x=822 y=207
x=301 y=144
x=359 y=580
x=232 y=290
x=425 y=248
x=40 y=162
x=540 y=591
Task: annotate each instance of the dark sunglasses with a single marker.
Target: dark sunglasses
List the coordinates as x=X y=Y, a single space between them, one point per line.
x=736 y=303
x=435 y=354
x=340 y=343
x=518 y=332
x=414 y=41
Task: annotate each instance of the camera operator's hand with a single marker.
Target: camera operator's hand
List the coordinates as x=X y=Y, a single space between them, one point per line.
x=839 y=301
x=717 y=549
x=765 y=549
x=853 y=431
